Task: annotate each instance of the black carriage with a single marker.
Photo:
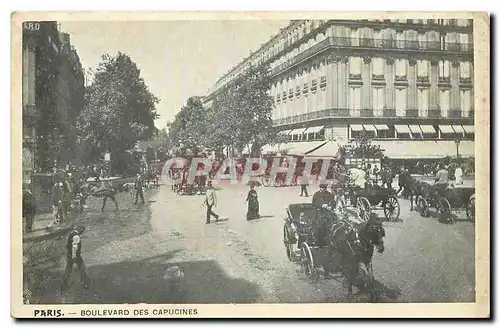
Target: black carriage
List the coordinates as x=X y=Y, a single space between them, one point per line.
x=445 y=200
x=300 y=236
x=369 y=199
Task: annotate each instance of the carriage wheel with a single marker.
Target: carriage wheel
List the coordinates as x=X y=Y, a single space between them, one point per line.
x=288 y=244
x=444 y=208
x=471 y=209
x=391 y=208
x=266 y=180
x=424 y=207
x=307 y=259
x=363 y=204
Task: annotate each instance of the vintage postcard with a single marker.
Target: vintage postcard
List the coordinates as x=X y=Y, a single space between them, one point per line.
x=250 y=165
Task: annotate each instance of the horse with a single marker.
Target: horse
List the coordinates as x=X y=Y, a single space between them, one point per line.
x=354 y=245
x=98 y=192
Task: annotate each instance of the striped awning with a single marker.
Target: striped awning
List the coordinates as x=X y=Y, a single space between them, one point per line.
x=369 y=127
x=402 y=129
x=446 y=129
x=356 y=127
x=427 y=129
x=381 y=127
x=314 y=129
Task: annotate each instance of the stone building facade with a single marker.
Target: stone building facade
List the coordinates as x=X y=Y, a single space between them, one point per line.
x=402 y=83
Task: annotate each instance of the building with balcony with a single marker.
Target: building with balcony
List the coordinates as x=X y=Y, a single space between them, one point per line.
x=405 y=84
x=53 y=94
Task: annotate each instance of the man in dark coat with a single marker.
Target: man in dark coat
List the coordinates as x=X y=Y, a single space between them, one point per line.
x=138 y=189
x=74 y=256
x=321 y=200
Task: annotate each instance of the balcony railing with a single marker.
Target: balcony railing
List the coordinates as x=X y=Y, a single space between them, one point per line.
x=343 y=112
x=388 y=44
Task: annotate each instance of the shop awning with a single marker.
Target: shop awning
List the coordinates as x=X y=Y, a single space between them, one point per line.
x=381 y=127
x=402 y=129
x=328 y=150
x=458 y=129
x=356 y=127
x=415 y=129
x=468 y=128
x=284 y=132
x=446 y=129
x=427 y=129
x=369 y=127
x=302 y=148
x=416 y=149
x=297 y=131
x=314 y=129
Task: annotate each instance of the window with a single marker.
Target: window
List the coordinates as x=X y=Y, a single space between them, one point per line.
x=401 y=102
x=444 y=69
x=422 y=68
x=355 y=37
x=444 y=102
x=422 y=41
x=355 y=101
x=465 y=102
x=423 y=102
x=378 y=101
x=355 y=64
x=464 y=38
x=465 y=70
x=378 y=39
x=378 y=65
x=400 y=40
x=400 y=67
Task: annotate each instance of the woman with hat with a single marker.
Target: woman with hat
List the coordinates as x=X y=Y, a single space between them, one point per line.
x=253 y=203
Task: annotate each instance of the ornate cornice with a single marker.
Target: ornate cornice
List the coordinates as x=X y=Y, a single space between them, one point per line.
x=412 y=62
x=367 y=59
x=389 y=60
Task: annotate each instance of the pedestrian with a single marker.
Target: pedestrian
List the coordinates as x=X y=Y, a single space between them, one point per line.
x=56 y=197
x=74 y=256
x=304 y=182
x=442 y=176
x=459 y=175
x=138 y=189
x=210 y=201
x=253 y=203
x=67 y=195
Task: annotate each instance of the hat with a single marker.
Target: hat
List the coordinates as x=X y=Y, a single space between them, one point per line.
x=322 y=185
x=78 y=227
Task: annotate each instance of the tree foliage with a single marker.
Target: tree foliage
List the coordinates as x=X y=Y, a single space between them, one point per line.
x=242 y=112
x=119 y=109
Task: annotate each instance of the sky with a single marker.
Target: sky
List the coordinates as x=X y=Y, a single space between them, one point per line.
x=177 y=59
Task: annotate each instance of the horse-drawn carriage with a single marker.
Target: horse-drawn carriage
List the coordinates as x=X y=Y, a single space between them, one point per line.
x=445 y=200
x=345 y=245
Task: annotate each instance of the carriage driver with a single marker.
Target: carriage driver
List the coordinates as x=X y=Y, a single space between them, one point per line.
x=321 y=200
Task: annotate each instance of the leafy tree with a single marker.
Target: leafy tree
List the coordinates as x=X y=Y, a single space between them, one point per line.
x=119 y=109
x=189 y=128
x=242 y=112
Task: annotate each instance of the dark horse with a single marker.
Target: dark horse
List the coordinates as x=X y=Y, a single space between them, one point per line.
x=354 y=244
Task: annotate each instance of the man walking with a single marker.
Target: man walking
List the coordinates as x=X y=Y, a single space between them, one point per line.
x=210 y=201
x=304 y=182
x=138 y=189
x=74 y=256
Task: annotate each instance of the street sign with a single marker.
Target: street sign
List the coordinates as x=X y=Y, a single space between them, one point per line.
x=107 y=157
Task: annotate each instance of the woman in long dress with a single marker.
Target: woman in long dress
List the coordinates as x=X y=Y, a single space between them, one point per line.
x=253 y=204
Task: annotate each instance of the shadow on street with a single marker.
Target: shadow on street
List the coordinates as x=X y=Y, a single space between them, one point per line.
x=143 y=282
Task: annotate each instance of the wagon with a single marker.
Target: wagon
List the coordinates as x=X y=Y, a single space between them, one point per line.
x=445 y=200
x=373 y=198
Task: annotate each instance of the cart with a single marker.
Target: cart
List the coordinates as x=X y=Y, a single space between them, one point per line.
x=445 y=200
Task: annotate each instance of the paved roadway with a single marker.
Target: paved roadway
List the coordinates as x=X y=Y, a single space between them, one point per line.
x=235 y=260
